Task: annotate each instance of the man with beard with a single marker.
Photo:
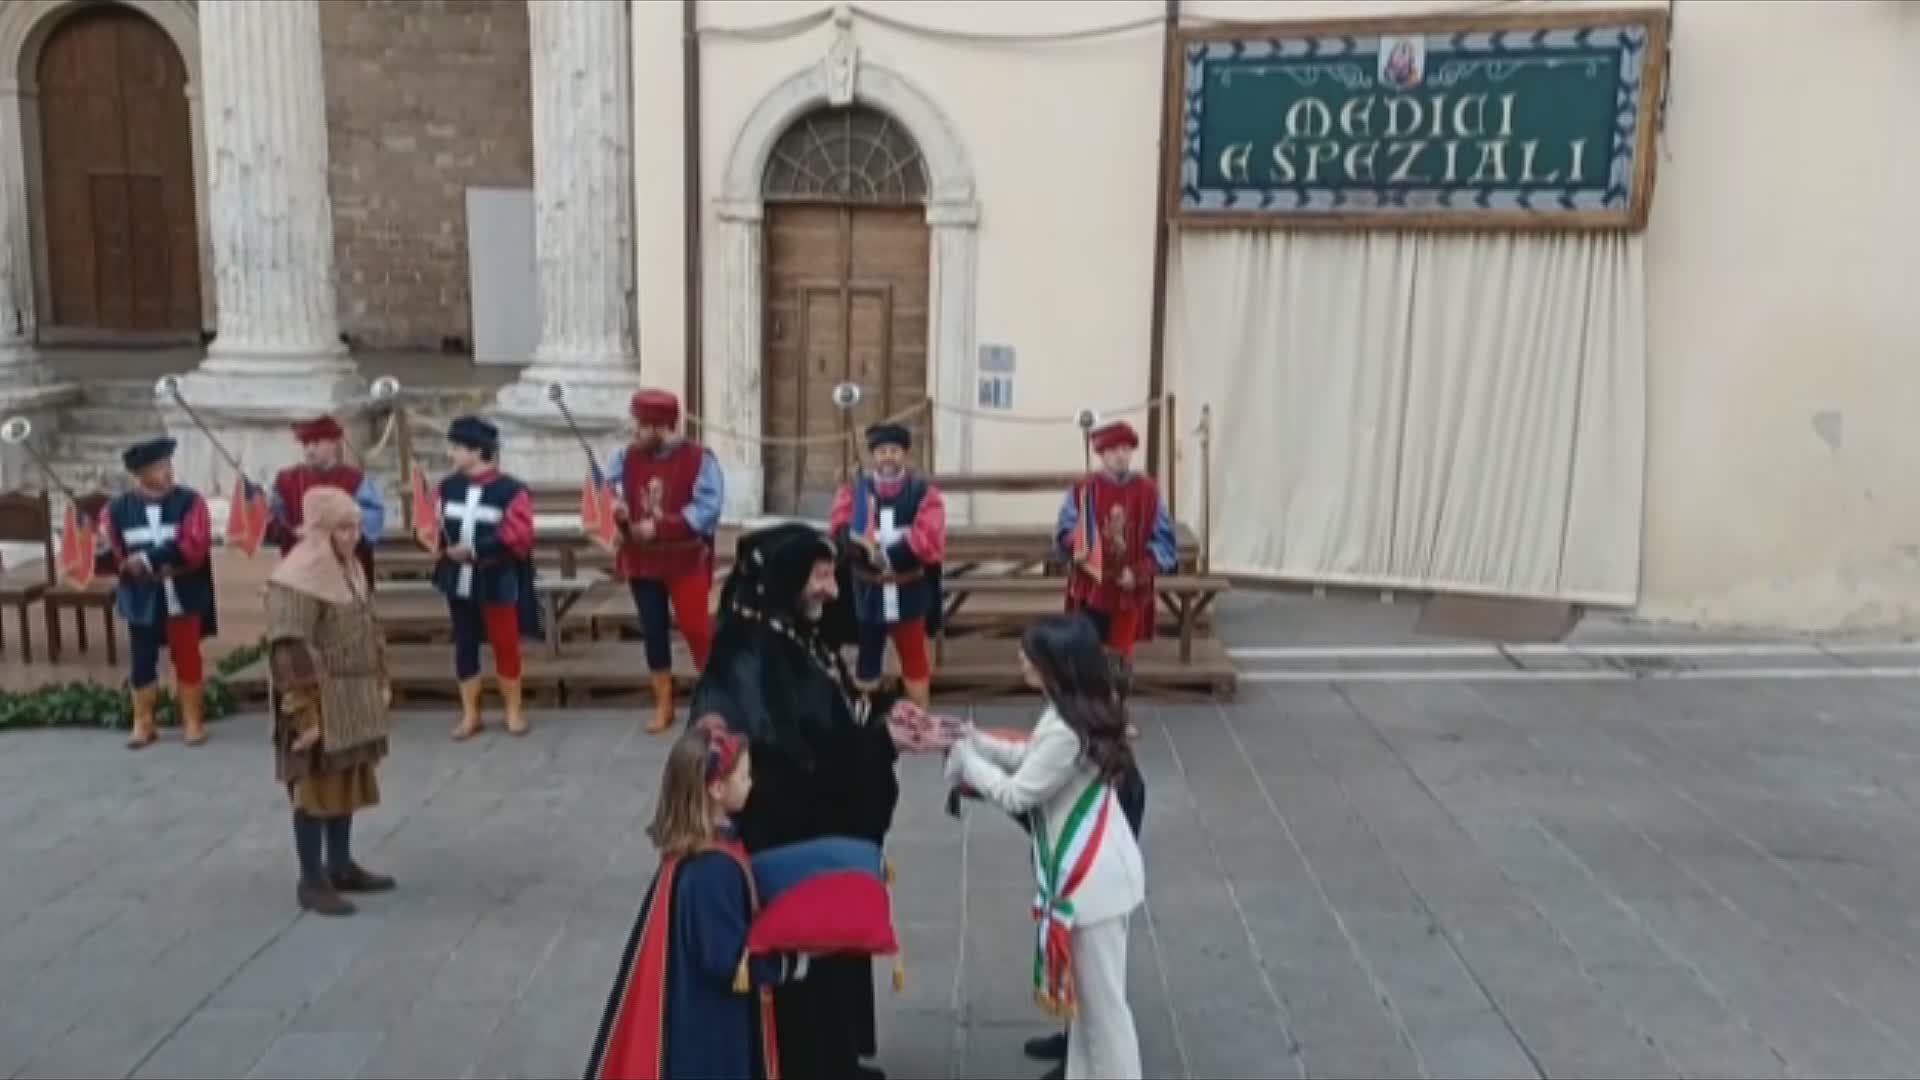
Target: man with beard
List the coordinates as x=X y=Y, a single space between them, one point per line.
x=823 y=760
x=897 y=521
x=668 y=492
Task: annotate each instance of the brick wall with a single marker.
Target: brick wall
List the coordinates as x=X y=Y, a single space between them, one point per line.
x=425 y=98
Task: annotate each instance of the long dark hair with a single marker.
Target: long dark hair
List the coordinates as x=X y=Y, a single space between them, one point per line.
x=1078 y=681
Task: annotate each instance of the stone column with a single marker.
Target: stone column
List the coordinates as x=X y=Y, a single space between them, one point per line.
x=27 y=386
x=20 y=369
x=277 y=352
x=583 y=233
x=731 y=379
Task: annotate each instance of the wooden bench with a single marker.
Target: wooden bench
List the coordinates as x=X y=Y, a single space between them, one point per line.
x=403 y=605
x=26 y=517
x=1186 y=597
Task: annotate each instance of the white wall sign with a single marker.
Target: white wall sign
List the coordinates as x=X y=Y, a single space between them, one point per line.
x=996 y=377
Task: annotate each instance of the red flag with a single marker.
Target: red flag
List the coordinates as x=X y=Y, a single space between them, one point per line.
x=592 y=507
x=247 y=515
x=76 y=550
x=596 y=510
x=609 y=534
x=426 y=511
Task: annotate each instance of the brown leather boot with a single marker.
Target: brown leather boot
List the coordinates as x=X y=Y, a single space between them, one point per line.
x=510 y=692
x=469 y=724
x=321 y=899
x=193 y=713
x=357 y=878
x=662 y=702
x=144 y=732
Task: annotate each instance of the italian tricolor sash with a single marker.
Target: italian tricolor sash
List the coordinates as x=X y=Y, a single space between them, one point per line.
x=1059 y=872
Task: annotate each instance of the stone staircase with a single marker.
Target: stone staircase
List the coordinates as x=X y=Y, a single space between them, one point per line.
x=85 y=450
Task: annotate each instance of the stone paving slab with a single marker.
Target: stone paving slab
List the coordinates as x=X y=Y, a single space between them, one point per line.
x=1366 y=879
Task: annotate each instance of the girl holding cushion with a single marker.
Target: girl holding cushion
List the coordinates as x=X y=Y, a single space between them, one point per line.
x=1087 y=864
x=688 y=1001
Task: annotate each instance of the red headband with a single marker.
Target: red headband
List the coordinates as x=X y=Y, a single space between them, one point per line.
x=723 y=748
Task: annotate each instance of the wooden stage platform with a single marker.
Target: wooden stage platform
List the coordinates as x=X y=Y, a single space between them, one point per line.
x=603 y=673
x=600 y=659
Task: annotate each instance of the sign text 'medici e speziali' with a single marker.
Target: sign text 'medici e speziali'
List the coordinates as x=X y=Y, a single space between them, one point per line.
x=1544 y=126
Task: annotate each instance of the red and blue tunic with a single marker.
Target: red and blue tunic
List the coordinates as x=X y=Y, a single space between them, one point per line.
x=906 y=521
x=678 y=489
x=174 y=532
x=1130 y=529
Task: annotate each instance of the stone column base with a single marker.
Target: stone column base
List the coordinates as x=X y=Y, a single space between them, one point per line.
x=40 y=405
x=251 y=411
x=598 y=395
x=536 y=444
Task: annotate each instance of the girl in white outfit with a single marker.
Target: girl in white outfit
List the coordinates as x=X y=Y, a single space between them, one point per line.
x=1087 y=867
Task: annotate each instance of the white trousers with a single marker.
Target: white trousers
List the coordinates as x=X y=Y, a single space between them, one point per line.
x=1102 y=1045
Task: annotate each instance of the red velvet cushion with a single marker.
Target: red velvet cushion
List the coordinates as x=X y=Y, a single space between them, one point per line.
x=843 y=911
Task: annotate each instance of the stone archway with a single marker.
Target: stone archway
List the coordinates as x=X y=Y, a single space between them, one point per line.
x=731 y=372
x=25 y=27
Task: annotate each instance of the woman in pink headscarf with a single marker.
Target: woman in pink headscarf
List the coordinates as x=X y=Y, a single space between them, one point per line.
x=329 y=697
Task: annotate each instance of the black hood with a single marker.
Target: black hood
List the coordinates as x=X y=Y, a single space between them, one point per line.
x=770 y=571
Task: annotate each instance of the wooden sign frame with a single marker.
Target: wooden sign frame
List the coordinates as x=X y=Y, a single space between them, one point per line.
x=1653 y=81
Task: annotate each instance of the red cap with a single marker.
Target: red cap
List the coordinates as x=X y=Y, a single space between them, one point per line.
x=1114 y=433
x=309 y=431
x=656 y=407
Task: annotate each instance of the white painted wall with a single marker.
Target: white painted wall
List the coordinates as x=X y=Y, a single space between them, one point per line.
x=1784 y=258
x=1784 y=267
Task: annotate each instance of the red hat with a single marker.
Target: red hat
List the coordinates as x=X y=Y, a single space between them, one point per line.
x=656 y=407
x=311 y=431
x=1114 y=433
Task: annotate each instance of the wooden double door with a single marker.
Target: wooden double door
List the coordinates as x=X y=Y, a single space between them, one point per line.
x=847 y=301
x=117 y=176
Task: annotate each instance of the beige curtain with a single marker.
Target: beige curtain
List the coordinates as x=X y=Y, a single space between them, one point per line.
x=1457 y=412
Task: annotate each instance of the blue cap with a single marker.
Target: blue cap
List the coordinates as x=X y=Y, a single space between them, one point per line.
x=142 y=454
x=474 y=433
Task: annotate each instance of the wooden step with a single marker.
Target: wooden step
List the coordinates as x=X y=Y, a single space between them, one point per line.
x=612 y=673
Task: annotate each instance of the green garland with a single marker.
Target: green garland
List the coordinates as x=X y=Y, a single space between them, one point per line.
x=79 y=704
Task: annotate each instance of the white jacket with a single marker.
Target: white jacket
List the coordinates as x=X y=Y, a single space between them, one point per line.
x=1049 y=771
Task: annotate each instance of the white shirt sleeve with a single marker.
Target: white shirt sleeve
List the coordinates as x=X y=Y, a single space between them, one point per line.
x=1051 y=760
x=1003 y=753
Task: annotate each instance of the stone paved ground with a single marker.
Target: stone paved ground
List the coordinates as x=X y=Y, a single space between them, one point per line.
x=1457 y=879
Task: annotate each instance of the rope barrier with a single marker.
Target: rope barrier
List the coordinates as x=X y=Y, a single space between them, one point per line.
x=910 y=416
x=787 y=28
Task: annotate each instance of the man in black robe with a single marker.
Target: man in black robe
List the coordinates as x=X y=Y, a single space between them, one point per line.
x=823 y=759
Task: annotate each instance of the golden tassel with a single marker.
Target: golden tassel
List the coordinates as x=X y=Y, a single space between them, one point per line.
x=899 y=973
x=886 y=871
x=741 y=984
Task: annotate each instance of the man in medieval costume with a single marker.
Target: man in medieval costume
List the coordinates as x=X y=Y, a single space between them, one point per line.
x=158 y=537
x=822 y=758
x=485 y=569
x=323 y=465
x=895 y=521
x=1116 y=532
x=327 y=661
x=668 y=493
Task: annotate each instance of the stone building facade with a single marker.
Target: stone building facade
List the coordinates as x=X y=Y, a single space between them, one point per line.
x=288 y=179
x=425 y=98
x=898 y=191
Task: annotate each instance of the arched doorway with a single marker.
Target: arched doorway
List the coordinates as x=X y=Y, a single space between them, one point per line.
x=847 y=255
x=117 y=187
